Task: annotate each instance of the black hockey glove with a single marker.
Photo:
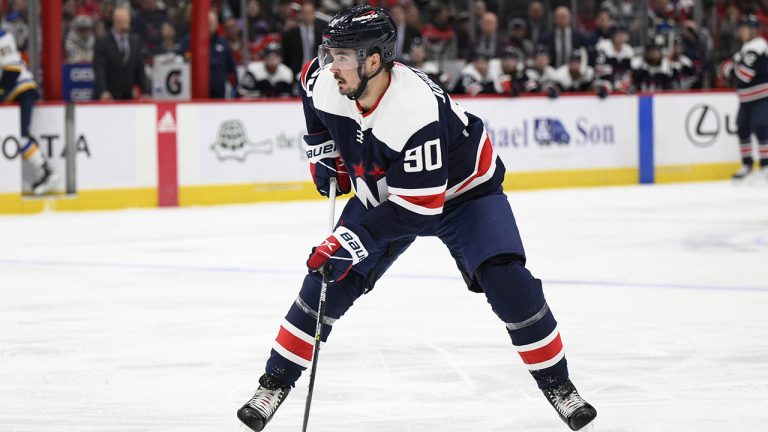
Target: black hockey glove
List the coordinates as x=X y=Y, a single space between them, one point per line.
x=325 y=162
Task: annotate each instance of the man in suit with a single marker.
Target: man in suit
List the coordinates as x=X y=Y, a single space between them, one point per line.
x=118 y=62
x=406 y=34
x=300 y=43
x=489 y=42
x=563 y=40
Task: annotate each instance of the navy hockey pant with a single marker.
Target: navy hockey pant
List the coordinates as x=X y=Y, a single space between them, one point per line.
x=483 y=238
x=753 y=118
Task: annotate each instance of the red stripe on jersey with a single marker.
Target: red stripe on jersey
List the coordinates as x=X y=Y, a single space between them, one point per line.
x=304 y=71
x=753 y=92
x=294 y=344
x=427 y=201
x=484 y=164
x=545 y=353
x=741 y=70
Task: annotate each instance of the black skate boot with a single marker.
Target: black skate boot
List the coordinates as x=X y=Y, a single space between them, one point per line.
x=742 y=173
x=574 y=410
x=46 y=181
x=262 y=406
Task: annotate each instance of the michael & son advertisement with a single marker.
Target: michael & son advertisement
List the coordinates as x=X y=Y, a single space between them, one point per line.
x=583 y=132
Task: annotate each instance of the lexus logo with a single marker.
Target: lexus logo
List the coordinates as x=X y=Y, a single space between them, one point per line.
x=704 y=123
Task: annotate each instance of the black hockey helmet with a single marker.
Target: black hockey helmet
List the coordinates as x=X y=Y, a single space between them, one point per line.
x=750 y=20
x=365 y=29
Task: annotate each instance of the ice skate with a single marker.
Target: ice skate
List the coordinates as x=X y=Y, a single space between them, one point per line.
x=263 y=405
x=742 y=173
x=574 y=410
x=46 y=181
x=763 y=174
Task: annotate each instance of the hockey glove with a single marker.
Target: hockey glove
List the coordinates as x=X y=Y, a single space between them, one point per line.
x=325 y=162
x=339 y=252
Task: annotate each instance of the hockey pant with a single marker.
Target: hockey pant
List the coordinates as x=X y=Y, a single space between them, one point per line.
x=483 y=239
x=753 y=118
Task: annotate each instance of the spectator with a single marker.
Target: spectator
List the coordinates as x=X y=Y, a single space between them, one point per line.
x=537 y=25
x=417 y=59
x=683 y=71
x=603 y=24
x=508 y=72
x=661 y=17
x=575 y=76
x=78 y=45
x=118 y=63
x=463 y=35
x=438 y=35
x=726 y=34
x=300 y=43
x=405 y=33
x=283 y=18
x=257 y=22
x=518 y=31
x=476 y=77
x=268 y=77
x=696 y=47
x=489 y=42
x=147 y=24
x=652 y=72
x=614 y=61
x=168 y=42
x=541 y=71
x=563 y=40
x=222 y=65
x=104 y=24
x=234 y=37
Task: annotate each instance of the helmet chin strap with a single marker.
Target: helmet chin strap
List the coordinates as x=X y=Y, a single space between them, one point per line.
x=363 y=82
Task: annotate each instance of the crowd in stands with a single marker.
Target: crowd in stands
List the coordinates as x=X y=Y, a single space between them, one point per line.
x=472 y=47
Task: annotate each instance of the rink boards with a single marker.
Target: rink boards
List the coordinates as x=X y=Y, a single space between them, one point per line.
x=169 y=154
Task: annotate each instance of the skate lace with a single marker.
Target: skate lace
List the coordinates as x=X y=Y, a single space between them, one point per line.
x=568 y=404
x=265 y=401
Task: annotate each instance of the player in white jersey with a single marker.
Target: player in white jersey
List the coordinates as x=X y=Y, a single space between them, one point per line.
x=17 y=85
x=420 y=166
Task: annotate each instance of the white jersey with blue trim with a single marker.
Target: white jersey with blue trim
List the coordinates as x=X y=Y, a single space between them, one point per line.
x=412 y=154
x=751 y=70
x=14 y=74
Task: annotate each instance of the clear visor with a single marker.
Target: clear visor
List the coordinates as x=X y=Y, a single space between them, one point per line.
x=338 y=58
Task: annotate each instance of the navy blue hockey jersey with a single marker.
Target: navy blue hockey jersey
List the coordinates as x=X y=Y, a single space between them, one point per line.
x=751 y=70
x=413 y=154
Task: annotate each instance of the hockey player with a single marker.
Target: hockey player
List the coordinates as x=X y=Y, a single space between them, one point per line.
x=613 y=65
x=420 y=166
x=476 y=77
x=749 y=66
x=574 y=76
x=652 y=72
x=508 y=72
x=268 y=77
x=683 y=70
x=541 y=72
x=18 y=85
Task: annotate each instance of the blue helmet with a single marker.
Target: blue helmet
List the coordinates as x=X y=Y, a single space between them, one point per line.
x=366 y=29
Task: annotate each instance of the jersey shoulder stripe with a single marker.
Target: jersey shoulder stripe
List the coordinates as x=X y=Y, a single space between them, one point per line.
x=401 y=114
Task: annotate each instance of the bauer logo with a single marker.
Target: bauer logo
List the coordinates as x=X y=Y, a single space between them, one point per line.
x=232 y=143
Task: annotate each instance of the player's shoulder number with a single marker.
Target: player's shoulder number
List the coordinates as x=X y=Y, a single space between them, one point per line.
x=427 y=156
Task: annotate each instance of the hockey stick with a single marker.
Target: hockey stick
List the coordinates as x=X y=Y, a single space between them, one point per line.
x=320 y=312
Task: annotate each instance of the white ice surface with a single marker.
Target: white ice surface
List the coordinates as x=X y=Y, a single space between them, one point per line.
x=161 y=320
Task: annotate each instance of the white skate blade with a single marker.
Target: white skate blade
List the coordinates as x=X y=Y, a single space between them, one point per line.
x=47 y=186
